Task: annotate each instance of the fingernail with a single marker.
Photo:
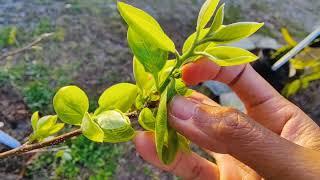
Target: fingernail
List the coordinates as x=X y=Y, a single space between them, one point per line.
x=182 y=108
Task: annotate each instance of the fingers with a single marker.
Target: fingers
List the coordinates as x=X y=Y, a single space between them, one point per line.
x=225 y=130
x=243 y=79
x=186 y=165
x=259 y=97
x=231 y=168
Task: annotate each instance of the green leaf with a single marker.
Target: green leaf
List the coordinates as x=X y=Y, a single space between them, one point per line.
x=44 y=126
x=70 y=103
x=116 y=126
x=181 y=88
x=166 y=137
x=144 y=24
x=46 y=123
x=56 y=128
x=188 y=43
x=165 y=72
x=34 y=120
x=170 y=151
x=206 y=13
x=151 y=57
x=140 y=101
x=147 y=120
x=218 y=20
x=184 y=144
x=91 y=129
x=229 y=56
x=120 y=96
x=161 y=131
x=291 y=88
x=234 y=32
x=144 y=80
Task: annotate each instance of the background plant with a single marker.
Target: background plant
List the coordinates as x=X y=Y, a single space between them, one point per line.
x=304 y=67
x=157 y=81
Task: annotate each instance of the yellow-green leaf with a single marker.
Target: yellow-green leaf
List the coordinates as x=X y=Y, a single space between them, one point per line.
x=181 y=88
x=120 y=96
x=70 y=103
x=235 y=32
x=206 y=13
x=150 y=56
x=229 y=56
x=34 y=120
x=187 y=44
x=165 y=72
x=56 y=128
x=142 y=23
x=288 y=38
x=45 y=123
x=91 y=129
x=218 y=20
x=116 y=126
x=171 y=148
x=147 y=120
x=144 y=80
x=161 y=131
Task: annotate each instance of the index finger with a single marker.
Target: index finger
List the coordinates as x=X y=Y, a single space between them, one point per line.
x=259 y=97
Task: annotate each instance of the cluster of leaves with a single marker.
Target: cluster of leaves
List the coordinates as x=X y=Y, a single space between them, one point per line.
x=304 y=67
x=157 y=80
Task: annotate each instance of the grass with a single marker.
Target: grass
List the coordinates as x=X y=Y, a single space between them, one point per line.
x=89 y=160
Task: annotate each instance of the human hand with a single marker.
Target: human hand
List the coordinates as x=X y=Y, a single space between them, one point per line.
x=274 y=140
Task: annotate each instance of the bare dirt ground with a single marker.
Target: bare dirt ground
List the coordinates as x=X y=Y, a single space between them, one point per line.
x=95 y=46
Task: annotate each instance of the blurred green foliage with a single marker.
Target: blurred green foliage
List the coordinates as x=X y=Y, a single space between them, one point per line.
x=304 y=67
x=86 y=160
x=8 y=36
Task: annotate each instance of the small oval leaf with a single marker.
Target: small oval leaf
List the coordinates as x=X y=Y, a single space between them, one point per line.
x=229 y=56
x=34 y=120
x=116 y=126
x=144 y=80
x=143 y=23
x=91 y=129
x=56 y=128
x=187 y=44
x=235 y=32
x=70 y=103
x=151 y=57
x=120 y=96
x=146 y=119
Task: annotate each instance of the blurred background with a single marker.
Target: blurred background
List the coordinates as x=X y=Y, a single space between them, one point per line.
x=87 y=46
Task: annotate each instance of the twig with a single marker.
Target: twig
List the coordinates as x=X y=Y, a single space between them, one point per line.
x=30 y=147
x=27 y=47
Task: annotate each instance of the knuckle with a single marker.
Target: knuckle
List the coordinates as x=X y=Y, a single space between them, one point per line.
x=233 y=124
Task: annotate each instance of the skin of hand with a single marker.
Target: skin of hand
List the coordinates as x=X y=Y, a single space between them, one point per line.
x=273 y=140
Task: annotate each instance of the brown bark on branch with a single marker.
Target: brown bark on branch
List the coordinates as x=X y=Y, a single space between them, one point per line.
x=30 y=147
x=57 y=140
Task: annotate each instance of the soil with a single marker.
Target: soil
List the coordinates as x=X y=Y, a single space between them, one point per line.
x=309 y=100
x=15 y=116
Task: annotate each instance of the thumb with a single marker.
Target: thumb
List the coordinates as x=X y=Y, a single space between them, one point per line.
x=226 y=130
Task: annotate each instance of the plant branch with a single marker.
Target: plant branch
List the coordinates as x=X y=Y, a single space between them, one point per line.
x=29 y=147
x=27 y=47
x=180 y=59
